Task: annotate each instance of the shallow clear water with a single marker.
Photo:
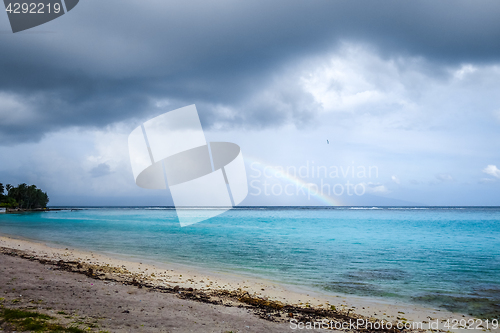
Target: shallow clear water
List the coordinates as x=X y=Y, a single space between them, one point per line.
x=448 y=257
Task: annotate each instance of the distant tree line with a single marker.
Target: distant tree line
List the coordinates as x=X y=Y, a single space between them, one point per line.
x=23 y=196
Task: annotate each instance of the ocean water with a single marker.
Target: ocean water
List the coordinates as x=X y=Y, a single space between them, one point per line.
x=445 y=257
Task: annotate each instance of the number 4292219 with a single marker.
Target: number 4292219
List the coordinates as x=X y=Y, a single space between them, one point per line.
x=33 y=8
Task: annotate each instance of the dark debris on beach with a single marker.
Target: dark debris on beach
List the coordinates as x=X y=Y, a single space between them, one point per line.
x=266 y=309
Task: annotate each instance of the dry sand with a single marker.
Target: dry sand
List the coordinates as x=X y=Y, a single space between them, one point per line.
x=106 y=293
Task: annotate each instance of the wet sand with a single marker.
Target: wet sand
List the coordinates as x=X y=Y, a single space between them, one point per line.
x=104 y=293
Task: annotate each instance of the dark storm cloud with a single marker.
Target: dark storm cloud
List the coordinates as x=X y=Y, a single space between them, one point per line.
x=109 y=61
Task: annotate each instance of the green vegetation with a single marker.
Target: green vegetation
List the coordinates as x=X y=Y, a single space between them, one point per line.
x=23 y=196
x=21 y=320
x=10 y=315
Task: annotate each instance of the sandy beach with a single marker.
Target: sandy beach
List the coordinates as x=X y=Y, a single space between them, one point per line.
x=96 y=293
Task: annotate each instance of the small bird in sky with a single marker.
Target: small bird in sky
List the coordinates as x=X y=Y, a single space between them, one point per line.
x=327 y=142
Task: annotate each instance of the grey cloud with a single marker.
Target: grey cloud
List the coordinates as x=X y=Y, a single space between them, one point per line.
x=110 y=61
x=282 y=102
x=102 y=169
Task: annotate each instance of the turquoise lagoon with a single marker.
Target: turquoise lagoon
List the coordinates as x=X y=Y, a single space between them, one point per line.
x=447 y=257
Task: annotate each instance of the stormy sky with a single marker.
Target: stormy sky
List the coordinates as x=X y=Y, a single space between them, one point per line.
x=411 y=88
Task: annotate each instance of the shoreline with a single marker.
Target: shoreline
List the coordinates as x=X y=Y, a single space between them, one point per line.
x=266 y=299
x=37 y=210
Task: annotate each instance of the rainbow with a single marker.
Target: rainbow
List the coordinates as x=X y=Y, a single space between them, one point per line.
x=282 y=174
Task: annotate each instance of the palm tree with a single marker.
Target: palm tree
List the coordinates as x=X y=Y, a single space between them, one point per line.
x=27 y=196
